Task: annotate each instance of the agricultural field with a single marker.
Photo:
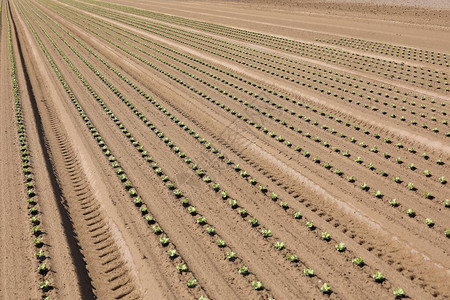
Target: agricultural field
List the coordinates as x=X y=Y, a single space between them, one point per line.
x=224 y=150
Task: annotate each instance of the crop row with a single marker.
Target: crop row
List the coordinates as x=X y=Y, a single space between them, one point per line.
x=27 y=170
x=325 y=143
x=177 y=194
x=290 y=112
x=191 y=209
x=415 y=54
x=320 y=113
x=337 y=171
x=164 y=241
x=352 y=83
x=233 y=202
x=180 y=34
x=305 y=49
x=331 y=90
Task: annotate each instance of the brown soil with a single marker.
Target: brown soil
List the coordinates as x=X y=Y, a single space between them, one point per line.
x=87 y=72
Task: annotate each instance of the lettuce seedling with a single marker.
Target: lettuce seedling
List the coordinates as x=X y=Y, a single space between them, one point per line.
x=340 y=247
x=379 y=277
x=358 y=261
x=257 y=285
x=191 y=283
x=326 y=289
x=243 y=270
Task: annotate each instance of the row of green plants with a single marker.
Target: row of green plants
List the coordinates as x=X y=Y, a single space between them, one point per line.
x=215 y=186
x=131 y=190
x=176 y=193
x=415 y=54
x=355 y=127
x=364 y=186
x=233 y=202
x=384 y=174
x=304 y=49
x=289 y=112
x=352 y=82
x=411 y=150
x=43 y=266
x=367 y=102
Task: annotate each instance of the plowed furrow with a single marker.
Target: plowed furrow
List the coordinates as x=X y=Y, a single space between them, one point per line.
x=107 y=267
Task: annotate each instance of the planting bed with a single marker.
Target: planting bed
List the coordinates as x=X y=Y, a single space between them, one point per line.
x=223 y=150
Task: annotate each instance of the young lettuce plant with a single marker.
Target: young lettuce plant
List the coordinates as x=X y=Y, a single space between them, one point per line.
x=399 y=293
x=298 y=215
x=308 y=272
x=201 y=220
x=192 y=210
x=326 y=289
x=284 y=205
x=340 y=247
x=231 y=255
x=144 y=210
x=233 y=203
x=221 y=243
x=243 y=212
x=243 y=270
x=410 y=213
x=254 y=222
x=172 y=253
x=279 y=245
x=182 y=267
x=326 y=236
x=191 y=283
x=428 y=195
x=164 y=240
x=358 y=261
x=45 y=285
x=149 y=219
x=266 y=232
x=40 y=255
x=157 y=229
x=257 y=285
x=292 y=257
x=378 y=277
x=43 y=268
x=39 y=242
x=394 y=202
